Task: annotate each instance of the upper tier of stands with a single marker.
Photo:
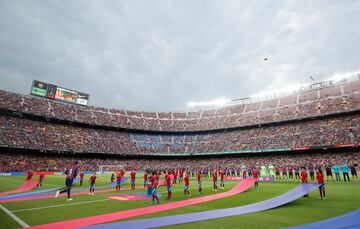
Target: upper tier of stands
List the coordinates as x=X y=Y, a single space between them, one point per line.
x=328 y=100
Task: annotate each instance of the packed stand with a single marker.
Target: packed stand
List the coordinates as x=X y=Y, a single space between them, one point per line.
x=328 y=100
x=27 y=133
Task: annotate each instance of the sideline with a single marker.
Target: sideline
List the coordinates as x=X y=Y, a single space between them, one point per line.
x=14 y=217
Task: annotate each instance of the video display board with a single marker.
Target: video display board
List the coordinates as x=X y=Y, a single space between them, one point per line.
x=55 y=92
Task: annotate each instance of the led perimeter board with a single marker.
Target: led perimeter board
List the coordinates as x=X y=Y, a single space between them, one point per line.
x=55 y=92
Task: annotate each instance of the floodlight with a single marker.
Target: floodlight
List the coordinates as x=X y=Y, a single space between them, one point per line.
x=341 y=76
x=217 y=102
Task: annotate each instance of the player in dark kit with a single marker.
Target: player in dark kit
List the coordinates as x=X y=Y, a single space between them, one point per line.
x=353 y=171
x=312 y=172
x=284 y=173
x=297 y=173
x=329 y=173
x=291 y=173
x=71 y=173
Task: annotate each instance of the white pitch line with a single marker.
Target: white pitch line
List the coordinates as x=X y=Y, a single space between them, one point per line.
x=86 y=202
x=59 y=205
x=64 y=205
x=14 y=217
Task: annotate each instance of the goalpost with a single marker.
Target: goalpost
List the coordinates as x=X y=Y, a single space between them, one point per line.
x=105 y=169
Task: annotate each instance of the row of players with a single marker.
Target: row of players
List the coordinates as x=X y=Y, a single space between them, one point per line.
x=171 y=179
x=278 y=173
x=152 y=181
x=290 y=173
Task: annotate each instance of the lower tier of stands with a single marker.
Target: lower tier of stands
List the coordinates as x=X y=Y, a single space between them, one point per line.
x=17 y=161
x=26 y=133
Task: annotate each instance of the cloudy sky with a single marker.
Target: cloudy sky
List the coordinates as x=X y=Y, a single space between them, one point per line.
x=157 y=55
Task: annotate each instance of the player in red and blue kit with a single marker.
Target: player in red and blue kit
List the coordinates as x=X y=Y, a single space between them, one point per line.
x=157 y=175
x=133 y=177
x=29 y=175
x=199 y=179
x=320 y=179
x=277 y=173
x=187 y=184
x=81 y=175
x=175 y=176
x=41 y=181
x=119 y=177
x=92 y=184
x=244 y=174
x=181 y=174
x=215 y=178
x=154 y=185
x=304 y=176
x=168 y=184
x=255 y=175
x=71 y=172
x=222 y=183
x=304 y=179
x=145 y=179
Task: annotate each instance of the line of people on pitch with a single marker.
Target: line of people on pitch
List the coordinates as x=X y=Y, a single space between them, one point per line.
x=320 y=181
x=152 y=181
x=288 y=174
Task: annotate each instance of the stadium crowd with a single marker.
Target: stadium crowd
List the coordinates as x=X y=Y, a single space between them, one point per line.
x=338 y=98
x=28 y=133
x=233 y=166
x=21 y=131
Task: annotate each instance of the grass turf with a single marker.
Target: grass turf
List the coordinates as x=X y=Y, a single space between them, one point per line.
x=341 y=198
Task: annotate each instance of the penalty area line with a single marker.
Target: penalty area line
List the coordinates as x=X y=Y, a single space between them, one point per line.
x=14 y=217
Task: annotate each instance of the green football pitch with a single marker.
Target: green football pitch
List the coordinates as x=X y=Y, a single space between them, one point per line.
x=342 y=197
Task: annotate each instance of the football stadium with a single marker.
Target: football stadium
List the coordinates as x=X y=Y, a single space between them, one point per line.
x=282 y=158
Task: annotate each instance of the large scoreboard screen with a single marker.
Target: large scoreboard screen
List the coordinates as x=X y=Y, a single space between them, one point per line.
x=55 y=92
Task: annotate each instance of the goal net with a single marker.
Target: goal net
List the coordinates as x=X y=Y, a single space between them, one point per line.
x=104 y=169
